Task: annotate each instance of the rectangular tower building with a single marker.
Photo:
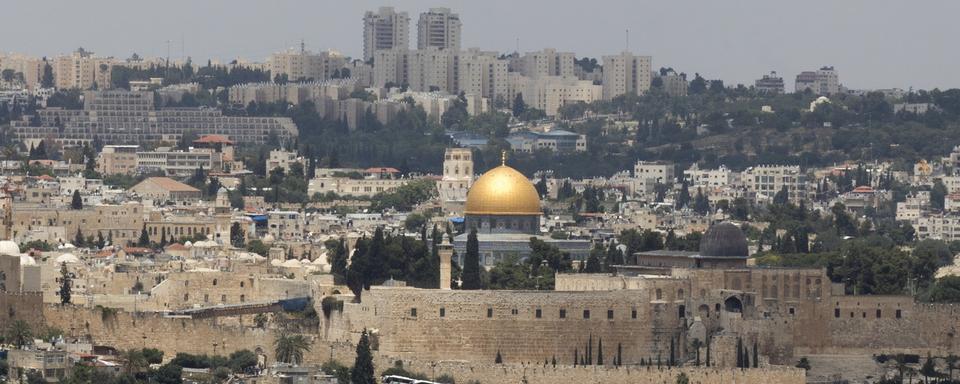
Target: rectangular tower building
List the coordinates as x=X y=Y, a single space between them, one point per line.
x=384 y=29
x=439 y=28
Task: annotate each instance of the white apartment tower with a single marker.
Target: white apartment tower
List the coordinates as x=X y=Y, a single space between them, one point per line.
x=482 y=73
x=384 y=29
x=626 y=73
x=300 y=65
x=457 y=174
x=547 y=62
x=439 y=28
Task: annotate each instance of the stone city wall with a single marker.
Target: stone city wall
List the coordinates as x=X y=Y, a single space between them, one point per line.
x=475 y=325
x=539 y=374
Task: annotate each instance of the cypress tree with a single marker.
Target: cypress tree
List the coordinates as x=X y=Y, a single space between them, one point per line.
x=471 y=262
x=708 y=351
x=600 y=351
x=575 y=355
x=144 y=237
x=590 y=350
x=65 y=288
x=76 y=202
x=619 y=354
x=746 y=358
x=673 y=350
x=362 y=371
x=739 y=353
x=79 y=240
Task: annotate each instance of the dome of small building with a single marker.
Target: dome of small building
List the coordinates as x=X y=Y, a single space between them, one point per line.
x=724 y=240
x=9 y=248
x=68 y=258
x=27 y=260
x=268 y=239
x=503 y=191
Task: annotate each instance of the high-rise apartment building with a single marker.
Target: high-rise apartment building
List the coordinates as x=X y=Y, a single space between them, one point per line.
x=439 y=28
x=303 y=65
x=390 y=67
x=549 y=93
x=482 y=73
x=547 y=62
x=825 y=81
x=385 y=29
x=431 y=70
x=81 y=70
x=626 y=73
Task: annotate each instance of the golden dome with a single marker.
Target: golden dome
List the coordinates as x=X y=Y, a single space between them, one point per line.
x=503 y=191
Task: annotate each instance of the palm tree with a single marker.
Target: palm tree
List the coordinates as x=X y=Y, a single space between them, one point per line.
x=290 y=348
x=19 y=333
x=136 y=361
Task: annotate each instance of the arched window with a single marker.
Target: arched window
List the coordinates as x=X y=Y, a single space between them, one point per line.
x=214 y=281
x=659 y=294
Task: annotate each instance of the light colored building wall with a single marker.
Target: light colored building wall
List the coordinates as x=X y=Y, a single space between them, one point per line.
x=626 y=73
x=385 y=29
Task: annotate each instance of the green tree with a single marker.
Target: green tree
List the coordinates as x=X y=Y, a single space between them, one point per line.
x=519 y=106
x=240 y=361
x=471 y=263
x=337 y=251
x=78 y=239
x=144 y=240
x=594 y=264
x=76 y=202
x=46 y=80
x=19 y=333
x=938 y=195
x=946 y=290
x=65 y=284
x=290 y=348
x=362 y=371
x=168 y=374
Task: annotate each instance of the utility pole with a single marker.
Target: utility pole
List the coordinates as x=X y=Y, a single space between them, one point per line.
x=627 y=47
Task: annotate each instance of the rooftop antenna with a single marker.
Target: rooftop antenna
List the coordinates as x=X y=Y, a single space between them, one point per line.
x=518 y=45
x=628 y=40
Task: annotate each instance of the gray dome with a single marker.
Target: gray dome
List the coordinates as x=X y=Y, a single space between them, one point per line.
x=724 y=240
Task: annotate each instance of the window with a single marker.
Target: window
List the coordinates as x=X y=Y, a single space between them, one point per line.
x=413 y=312
x=680 y=294
x=610 y=314
x=489 y=312
x=682 y=311
x=792 y=311
x=443 y=312
x=563 y=313
x=514 y=311
x=633 y=314
x=243 y=298
x=836 y=312
x=214 y=281
x=878 y=313
x=539 y=313
x=186 y=296
x=241 y=284
x=659 y=294
x=586 y=313
x=898 y=314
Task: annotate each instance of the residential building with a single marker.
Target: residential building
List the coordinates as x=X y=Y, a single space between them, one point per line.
x=767 y=180
x=303 y=65
x=82 y=70
x=484 y=74
x=283 y=160
x=549 y=93
x=824 y=81
x=674 y=84
x=293 y=93
x=710 y=178
x=178 y=163
x=439 y=28
x=547 y=62
x=385 y=29
x=914 y=108
x=654 y=171
x=914 y=206
x=371 y=184
x=127 y=117
x=555 y=140
x=626 y=73
x=117 y=159
x=772 y=84
x=431 y=69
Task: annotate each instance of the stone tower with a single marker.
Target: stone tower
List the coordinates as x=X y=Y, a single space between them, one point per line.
x=446 y=253
x=457 y=174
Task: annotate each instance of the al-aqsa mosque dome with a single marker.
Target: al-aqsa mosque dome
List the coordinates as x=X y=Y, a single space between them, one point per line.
x=503 y=200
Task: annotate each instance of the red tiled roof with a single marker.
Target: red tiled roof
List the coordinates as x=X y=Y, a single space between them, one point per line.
x=169 y=184
x=863 y=189
x=212 y=139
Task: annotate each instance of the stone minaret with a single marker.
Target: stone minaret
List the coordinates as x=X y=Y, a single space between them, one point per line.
x=446 y=253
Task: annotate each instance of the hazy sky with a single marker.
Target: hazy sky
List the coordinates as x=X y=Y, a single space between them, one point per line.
x=872 y=43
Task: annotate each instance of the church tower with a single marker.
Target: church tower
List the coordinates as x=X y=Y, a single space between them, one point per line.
x=457 y=175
